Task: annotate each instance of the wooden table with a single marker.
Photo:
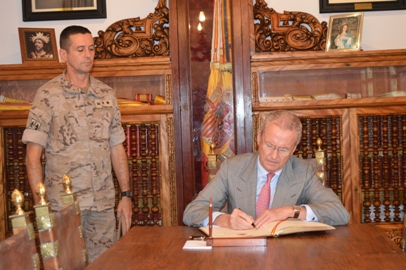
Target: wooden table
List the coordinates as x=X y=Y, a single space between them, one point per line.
x=357 y=246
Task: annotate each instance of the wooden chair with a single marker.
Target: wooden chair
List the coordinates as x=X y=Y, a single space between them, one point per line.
x=61 y=234
x=19 y=251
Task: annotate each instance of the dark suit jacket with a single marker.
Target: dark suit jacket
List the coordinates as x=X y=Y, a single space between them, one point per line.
x=235 y=183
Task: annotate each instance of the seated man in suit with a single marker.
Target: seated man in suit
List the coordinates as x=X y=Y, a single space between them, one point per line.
x=268 y=185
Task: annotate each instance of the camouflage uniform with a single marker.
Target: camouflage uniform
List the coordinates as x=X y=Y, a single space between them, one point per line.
x=77 y=130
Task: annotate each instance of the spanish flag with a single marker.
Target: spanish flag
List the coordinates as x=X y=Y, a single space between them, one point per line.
x=218 y=121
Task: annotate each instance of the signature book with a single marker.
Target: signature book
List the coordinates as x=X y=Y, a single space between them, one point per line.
x=273 y=229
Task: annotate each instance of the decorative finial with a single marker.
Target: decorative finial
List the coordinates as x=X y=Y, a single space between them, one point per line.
x=67 y=184
x=18 y=199
x=319 y=143
x=41 y=192
x=212 y=147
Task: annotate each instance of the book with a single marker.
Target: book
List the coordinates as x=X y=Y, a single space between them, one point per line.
x=273 y=229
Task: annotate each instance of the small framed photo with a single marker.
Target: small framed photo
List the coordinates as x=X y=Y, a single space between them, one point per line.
x=38 y=44
x=344 y=32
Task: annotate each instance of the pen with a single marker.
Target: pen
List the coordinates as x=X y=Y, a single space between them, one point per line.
x=210 y=217
x=252 y=224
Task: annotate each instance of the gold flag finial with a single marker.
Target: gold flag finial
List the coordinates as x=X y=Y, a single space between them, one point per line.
x=212 y=147
x=41 y=192
x=43 y=208
x=18 y=199
x=20 y=220
x=67 y=184
x=319 y=143
x=68 y=197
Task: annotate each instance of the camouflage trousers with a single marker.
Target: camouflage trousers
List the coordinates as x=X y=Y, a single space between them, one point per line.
x=99 y=230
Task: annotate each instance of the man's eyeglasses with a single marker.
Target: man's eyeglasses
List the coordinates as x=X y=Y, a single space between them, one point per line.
x=282 y=151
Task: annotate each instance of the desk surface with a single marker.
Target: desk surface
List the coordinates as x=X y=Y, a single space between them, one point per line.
x=356 y=246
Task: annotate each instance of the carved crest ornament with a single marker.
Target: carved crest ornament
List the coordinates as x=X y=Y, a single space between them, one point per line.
x=135 y=37
x=290 y=31
x=274 y=32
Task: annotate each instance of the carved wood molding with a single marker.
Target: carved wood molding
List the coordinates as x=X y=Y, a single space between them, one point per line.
x=290 y=31
x=135 y=37
x=255 y=87
x=3 y=225
x=394 y=232
x=172 y=172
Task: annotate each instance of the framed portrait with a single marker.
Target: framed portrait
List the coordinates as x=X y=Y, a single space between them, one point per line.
x=45 y=10
x=345 y=32
x=333 y=6
x=38 y=44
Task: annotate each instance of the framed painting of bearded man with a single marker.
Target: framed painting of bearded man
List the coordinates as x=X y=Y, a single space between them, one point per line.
x=38 y=44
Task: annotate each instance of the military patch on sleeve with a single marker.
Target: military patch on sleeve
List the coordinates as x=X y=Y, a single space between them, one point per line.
x=35 y=125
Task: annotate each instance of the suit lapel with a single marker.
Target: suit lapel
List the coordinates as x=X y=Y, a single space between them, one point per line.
x=247 y=186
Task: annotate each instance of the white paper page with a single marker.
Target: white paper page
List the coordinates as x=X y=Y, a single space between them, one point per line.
x=196 y=244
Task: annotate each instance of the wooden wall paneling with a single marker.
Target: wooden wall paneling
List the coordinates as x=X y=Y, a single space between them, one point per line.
x=13 y=118
x=243 y=45
x=347 y=168
x=3 y=204
x=353 y=192
x=168 y=174
x=182 y=103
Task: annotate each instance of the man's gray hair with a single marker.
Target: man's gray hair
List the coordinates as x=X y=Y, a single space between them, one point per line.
x=283 y=119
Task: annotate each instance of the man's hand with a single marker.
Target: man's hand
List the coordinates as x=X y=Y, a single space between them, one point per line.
x=237 y=220
x=125 y=207
x=276 y=214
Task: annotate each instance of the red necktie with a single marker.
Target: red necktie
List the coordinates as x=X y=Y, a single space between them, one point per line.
x=264 y=196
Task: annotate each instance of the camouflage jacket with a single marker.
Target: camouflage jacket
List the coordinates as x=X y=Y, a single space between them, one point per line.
x=77 y=130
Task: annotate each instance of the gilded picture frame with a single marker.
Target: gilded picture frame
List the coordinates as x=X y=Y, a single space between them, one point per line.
x=334 y=6
x=345 y=32
x=38 y=44
x=45 y=10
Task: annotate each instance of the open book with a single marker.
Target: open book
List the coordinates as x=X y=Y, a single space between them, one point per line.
x=273 y=229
